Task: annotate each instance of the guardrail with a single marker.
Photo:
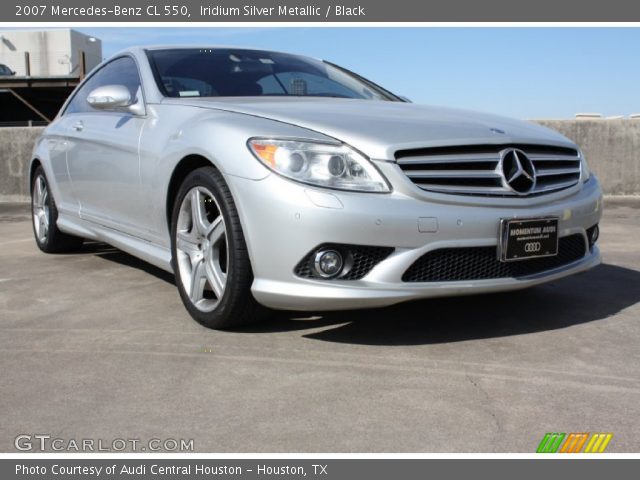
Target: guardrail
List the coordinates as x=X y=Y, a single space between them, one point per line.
x=26 y=123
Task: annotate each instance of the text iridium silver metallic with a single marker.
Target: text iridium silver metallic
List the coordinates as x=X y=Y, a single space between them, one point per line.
x=375 y=183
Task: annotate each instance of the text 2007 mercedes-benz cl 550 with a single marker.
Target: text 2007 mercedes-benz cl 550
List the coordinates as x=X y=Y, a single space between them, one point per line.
x=266 y=180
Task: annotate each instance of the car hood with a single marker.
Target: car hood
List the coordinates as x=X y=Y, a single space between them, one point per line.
x=380 y=128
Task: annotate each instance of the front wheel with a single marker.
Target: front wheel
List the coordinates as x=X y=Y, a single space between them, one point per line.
x=209 y=253
x=45 y=217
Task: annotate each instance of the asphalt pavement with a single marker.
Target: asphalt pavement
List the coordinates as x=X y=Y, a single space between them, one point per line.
x=97 y=345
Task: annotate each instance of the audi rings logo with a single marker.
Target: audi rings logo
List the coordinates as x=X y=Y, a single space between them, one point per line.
x=518 y=172
x=531 y=247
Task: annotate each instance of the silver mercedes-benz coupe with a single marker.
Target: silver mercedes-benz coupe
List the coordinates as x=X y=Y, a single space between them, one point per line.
x=266 y=180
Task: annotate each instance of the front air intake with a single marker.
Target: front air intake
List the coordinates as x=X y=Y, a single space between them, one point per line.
x=481 y=263
x=358 y=261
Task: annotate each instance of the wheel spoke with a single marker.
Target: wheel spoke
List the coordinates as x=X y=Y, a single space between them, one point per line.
x=37 y=195
x=187 y=243
x=198 y=280
x=216 y=230
x=43 y=225
x=36 y=222
x=198 y=216
x=216 y=277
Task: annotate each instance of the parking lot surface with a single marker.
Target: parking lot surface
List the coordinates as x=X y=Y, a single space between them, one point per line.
x=97 y=345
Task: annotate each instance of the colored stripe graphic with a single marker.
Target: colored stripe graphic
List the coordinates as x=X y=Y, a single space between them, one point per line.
x=569 y=444
x=581 y=443
x=573 y=442
x=550 y=443
x=598 y=443
x=543 y=443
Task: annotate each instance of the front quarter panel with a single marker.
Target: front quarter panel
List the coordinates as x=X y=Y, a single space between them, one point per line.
x=174 y=132
x=51 y=151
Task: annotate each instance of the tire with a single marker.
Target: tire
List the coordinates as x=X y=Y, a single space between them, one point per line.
x=44 y=216
x=209 y=256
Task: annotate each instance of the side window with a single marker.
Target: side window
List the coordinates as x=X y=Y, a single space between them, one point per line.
x=122 y=71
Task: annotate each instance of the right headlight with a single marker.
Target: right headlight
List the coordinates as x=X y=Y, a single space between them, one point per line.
x=325 y=165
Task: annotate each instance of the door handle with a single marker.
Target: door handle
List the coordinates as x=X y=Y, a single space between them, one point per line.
x=78 y=126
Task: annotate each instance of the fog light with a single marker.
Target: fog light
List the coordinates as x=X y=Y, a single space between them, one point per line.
x=328 y=263
x=592 y=235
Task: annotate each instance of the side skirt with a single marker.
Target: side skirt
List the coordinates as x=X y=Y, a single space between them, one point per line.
x=149 y=252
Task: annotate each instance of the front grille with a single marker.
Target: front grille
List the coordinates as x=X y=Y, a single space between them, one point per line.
x=481 y=263
x=359 y=260
x=476 y=169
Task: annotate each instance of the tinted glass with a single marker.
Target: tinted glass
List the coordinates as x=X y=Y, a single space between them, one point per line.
x=122 y=71
x=247 y=73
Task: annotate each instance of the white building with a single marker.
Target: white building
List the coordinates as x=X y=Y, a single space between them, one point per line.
x=53 y=53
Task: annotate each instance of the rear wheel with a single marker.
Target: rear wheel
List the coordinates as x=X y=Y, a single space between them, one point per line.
x=209 y=253
x=45 y=216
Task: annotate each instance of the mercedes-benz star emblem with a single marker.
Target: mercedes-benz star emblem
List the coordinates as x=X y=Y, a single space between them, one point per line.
x=518 y=172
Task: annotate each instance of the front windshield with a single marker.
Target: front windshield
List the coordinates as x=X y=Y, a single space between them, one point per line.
x=249 y=73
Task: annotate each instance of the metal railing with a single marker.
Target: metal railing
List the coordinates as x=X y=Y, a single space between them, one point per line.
x=25 y=123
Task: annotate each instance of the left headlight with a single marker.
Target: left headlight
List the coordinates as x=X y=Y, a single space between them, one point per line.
x=325 y=165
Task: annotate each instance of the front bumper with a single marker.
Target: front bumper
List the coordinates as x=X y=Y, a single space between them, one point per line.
x=283 y=221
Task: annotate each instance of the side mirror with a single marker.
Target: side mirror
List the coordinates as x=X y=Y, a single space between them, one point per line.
x=110 y=97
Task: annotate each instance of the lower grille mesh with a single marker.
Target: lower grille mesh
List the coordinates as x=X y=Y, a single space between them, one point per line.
x=481 y=263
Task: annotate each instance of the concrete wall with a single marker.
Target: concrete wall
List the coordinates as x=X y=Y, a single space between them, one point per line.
x=612 y=148
x=16 y=145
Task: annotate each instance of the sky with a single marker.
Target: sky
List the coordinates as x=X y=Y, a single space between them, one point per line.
x=519 y=72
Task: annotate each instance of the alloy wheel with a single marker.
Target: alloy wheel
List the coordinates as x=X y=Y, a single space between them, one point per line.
x=201 y=248
x=41 y=211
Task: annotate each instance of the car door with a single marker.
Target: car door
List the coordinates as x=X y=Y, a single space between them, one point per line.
x=103 y=151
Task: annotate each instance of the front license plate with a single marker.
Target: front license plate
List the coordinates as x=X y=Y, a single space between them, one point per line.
x=525 y=239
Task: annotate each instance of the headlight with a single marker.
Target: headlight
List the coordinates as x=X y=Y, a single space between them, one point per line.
x=586 y=173
x=321 y=164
